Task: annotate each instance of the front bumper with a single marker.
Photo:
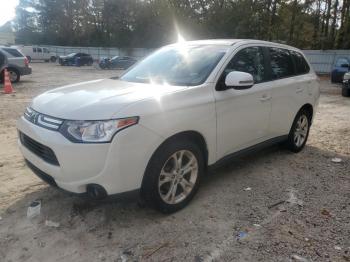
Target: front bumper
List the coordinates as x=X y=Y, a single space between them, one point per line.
x=117 y=166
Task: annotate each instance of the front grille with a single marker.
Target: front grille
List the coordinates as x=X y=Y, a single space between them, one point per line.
x=44 y=152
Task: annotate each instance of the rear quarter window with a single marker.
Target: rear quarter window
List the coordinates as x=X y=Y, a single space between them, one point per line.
x=13 y=52
x=281 y=63
x=301 y=66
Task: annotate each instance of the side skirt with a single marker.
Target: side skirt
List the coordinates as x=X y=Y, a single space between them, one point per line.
x=226 y=159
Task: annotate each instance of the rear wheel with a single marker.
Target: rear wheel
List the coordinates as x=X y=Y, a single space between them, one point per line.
x=299 y=132
x=14 y=75
x=173 y=175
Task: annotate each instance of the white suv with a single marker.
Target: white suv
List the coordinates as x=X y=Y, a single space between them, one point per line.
x=158 y=127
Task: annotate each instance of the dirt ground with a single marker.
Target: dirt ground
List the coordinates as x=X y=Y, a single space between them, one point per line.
x=269 y=206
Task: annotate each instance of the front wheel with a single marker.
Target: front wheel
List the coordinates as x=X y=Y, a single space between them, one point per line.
x=299 y=132
x=173 y=175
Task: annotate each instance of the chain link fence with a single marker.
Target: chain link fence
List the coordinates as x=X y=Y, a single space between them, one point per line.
x=321 y=60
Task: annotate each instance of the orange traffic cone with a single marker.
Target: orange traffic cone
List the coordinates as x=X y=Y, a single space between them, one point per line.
x=8 y=89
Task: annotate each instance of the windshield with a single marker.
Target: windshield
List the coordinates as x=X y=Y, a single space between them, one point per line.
x=72 y=54
x=177 y=65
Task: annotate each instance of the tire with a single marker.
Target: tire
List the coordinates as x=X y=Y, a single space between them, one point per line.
x=293 y=143
x=15 y=76
x=162 y=176
x=53 y=59
x=345 y=92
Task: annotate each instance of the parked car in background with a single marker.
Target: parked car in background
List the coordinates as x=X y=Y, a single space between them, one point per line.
x=18 y=64
x=346 y=85
x=157 y=128
x=340 y=67
x=117 y=62
x=37 y=53
x=77 y=59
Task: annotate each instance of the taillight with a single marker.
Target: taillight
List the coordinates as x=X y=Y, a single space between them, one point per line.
x=26 y=61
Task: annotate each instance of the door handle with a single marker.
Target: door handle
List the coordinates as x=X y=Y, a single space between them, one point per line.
x=265 y=98
x=299 y=90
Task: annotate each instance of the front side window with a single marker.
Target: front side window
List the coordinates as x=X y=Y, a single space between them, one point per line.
x=182 y=64
x=249 y=60
x=281 y=63
x=301 y=65
x=34 y=49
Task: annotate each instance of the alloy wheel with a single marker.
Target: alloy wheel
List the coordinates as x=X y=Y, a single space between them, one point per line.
x=13 y=76
x=178 y=177
x=301 y=130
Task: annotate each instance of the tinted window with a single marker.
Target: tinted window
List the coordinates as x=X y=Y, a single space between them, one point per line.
x=249 y=60
x=342 y=61
x=281 y=63
x=46 y=51
x=13 y=52
x=34 y=49
x=39 y=50
x=301 y=65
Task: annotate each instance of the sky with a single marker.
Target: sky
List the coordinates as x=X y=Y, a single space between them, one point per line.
x=7 y=10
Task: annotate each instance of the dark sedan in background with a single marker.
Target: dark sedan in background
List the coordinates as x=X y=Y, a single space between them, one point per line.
x=76 y=59
x=340 y=67
x=117 y=62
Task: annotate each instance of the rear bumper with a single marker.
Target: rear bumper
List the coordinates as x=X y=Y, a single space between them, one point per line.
x=25 y=70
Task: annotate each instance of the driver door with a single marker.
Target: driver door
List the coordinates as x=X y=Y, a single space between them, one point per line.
x=243 y=116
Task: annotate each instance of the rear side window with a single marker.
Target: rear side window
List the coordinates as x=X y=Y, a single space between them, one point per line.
x=301 y=65
x=249 y=60
x=34 y=49
x=39 y=50
x=281 y=63
x=13 y=52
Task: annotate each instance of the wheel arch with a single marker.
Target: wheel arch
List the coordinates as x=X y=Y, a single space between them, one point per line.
x=309 y=108
x=195 y=136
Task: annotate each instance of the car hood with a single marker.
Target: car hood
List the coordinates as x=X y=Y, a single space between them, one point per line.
x=96 y=100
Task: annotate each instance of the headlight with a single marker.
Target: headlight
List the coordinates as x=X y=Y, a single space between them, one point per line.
x=101 y=131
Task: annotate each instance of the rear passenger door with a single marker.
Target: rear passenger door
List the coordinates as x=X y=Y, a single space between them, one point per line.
x=290 y=83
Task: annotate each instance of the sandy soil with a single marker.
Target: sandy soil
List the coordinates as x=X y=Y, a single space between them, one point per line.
x=298 y=208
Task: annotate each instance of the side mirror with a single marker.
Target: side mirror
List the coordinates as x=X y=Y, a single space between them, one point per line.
x=345 y=65
x=239 y=80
